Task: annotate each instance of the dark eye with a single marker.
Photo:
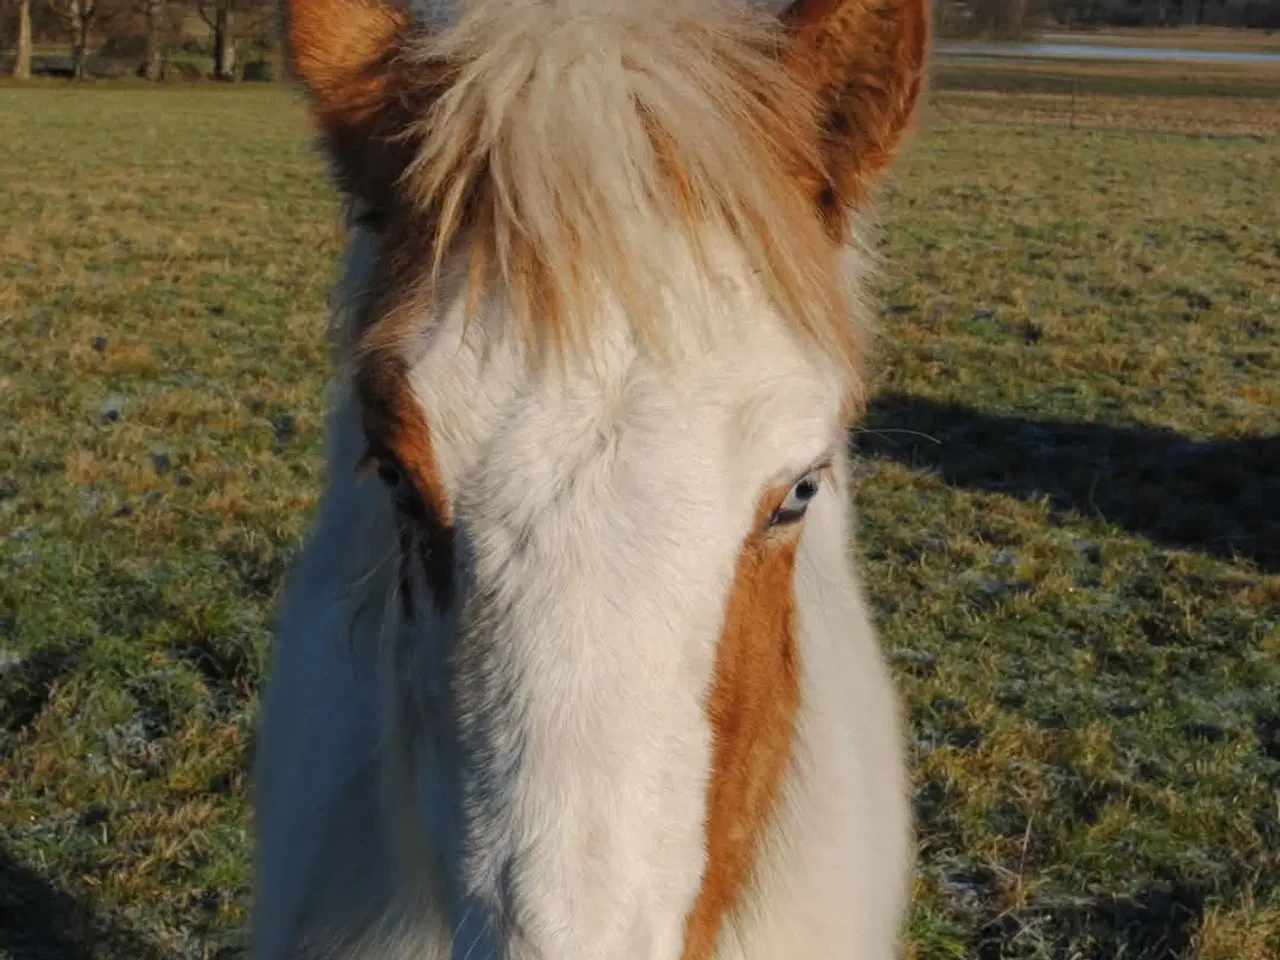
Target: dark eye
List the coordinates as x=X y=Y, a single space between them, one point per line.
x=389 y=474
x=797 y=500
x=371 y=218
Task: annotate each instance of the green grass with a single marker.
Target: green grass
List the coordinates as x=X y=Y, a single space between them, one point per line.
x=1080 y=592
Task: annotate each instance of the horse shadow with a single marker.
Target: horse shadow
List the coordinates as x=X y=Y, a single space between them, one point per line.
x=41 y=921
x=1221 y=497
x=1155 y=923
x=38 y=919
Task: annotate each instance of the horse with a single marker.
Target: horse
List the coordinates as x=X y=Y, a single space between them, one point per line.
x=575 y=663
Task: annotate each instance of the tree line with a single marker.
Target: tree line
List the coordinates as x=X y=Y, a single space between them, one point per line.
x=157 y=37
x=1017 y=19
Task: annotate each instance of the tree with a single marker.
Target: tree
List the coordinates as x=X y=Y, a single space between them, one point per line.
x=234 y=23
x=152 y=58
x=1005 y=19
x=22 y=62
x=221 y=21
x=77 y=19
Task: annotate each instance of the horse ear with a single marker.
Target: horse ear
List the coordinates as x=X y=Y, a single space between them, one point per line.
x=344 y=53
x=863 y=62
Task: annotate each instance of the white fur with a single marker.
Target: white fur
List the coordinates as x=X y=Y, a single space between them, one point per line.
x=601 y=512
x=524 y=775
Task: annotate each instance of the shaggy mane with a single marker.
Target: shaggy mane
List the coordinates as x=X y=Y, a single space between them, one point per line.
x=566 y=138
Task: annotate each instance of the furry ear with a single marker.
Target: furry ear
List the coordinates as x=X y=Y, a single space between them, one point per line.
x=345 y=54
x=863 y=62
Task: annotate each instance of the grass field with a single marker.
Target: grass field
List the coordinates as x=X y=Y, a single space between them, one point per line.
x=1069 y=490
x=1240 y=86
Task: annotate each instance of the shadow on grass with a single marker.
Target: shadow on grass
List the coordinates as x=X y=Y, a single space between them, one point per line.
x=40 y=921
x=1157 y=924
x=1216 y=496
x=25 y=685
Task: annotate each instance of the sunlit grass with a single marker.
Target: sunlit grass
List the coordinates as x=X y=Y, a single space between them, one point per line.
x=1081 y=601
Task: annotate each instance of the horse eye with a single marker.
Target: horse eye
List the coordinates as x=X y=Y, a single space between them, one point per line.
x=792 y=509
x=389 y=474
x=372 y=218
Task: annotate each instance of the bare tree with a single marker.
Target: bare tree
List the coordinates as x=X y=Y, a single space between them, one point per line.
x=77 y=18
x=236 y=23
x=220 y=16
x=22 y=62
x=152 y=62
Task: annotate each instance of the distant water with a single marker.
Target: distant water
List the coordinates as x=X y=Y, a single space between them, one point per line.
x=1089 y=51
